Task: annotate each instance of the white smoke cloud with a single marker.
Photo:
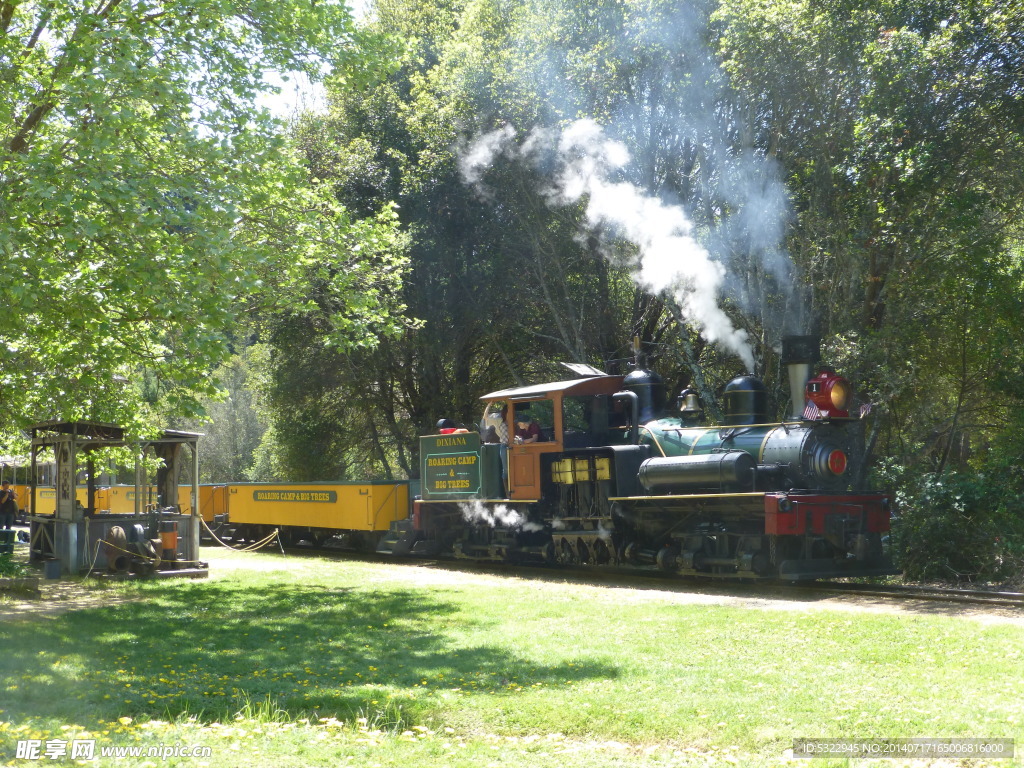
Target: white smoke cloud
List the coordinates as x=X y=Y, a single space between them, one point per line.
x=476 y=158
x=669 y=261
x=498 y=515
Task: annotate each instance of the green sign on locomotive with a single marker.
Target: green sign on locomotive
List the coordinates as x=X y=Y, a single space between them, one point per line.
x=451 y=465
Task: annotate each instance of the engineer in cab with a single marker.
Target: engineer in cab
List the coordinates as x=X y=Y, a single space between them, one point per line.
x=527 y=430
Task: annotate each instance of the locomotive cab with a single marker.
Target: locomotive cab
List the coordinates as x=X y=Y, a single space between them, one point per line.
x=573 y=415
x=485 y=499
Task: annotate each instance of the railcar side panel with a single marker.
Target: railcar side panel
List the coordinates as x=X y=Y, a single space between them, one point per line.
x=339 y=506
x=46 y=499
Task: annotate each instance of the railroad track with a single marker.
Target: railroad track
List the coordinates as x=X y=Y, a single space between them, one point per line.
x=913 y=592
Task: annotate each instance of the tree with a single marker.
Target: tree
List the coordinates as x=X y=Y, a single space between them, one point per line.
x=894 y=125
x=232 y=429
x=504 y=284
x=146 y=202
x=899 y=125
x=646 y=72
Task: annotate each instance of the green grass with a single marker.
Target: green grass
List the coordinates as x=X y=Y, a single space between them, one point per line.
x=11 y=567
x=331 y=663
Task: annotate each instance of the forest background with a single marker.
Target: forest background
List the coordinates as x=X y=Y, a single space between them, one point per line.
x=494 y=186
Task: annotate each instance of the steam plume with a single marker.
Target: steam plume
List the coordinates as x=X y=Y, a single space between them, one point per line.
x=669 y=259
x=495 y=516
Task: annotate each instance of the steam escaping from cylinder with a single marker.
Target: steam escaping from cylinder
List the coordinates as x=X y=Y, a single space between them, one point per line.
x=669 y=260
x=497 y=516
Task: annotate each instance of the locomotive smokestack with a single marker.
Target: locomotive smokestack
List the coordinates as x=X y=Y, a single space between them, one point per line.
x=648 y=386
x=799 y=354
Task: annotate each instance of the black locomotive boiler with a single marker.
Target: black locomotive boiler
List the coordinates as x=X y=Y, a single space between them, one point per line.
x=613 y=479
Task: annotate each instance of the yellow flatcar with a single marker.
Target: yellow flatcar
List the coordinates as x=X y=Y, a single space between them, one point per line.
x=357 y=514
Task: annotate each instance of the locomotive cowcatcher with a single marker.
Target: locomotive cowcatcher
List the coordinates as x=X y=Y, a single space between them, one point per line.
x=614 y=480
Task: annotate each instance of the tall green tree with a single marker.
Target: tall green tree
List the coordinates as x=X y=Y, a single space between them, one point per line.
x=503 y=282
x=145 y=201
x=646 y=72
x=899 y=125
x=232 y=428
x=894 y=125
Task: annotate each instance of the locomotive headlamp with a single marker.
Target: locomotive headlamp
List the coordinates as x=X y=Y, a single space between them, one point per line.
x=840 y=394
x=830 y=393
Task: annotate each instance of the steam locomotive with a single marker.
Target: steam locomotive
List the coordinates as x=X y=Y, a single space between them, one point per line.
x=615 y=480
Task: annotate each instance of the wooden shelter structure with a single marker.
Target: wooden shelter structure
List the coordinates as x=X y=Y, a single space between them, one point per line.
x=82 y=536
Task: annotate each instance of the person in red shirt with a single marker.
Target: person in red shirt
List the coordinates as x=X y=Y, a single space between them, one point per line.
x=448 y=427
x=527 y=430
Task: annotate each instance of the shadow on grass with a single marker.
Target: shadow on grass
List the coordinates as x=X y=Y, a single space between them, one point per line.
x=269 y=650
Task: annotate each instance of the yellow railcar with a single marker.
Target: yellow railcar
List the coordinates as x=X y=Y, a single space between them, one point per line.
x=358 y=513
x=212 y=501
x=113 y=499
x=24 y=499
x=46 y=499
x=120 y=499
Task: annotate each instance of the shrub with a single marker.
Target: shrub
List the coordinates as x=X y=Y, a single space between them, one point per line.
x=963 y=526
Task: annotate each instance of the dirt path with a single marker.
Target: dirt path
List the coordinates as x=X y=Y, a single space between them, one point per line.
x=760 y=597
x=63 y=596
x=617 y=590
x=58 y=597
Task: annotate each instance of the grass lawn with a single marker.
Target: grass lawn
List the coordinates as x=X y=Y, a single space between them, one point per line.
x=307 y=661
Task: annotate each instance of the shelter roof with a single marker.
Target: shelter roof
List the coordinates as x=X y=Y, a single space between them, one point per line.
x=100 y=433
x=88 y=429
x=592 y=385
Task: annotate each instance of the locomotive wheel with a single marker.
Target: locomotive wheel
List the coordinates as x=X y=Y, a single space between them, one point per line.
x=567 y=554
x=583 y=552
x=550 y=553
x=602 y=555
